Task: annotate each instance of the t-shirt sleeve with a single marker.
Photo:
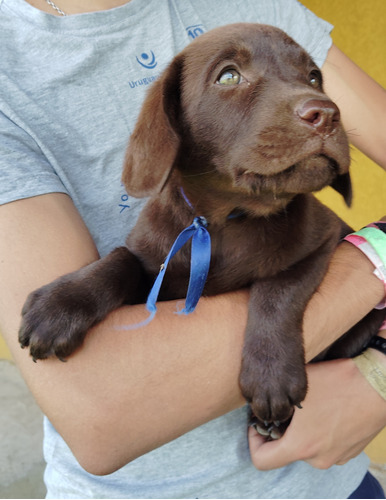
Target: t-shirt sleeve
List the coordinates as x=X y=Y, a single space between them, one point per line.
x=24 y=169
x=307 y=29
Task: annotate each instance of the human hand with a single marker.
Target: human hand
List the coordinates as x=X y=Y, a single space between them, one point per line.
x=340 y=416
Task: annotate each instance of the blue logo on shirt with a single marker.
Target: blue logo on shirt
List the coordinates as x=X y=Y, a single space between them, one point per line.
x=125 y=204
x=195 y=30
x=143 y=81
x=147 y=60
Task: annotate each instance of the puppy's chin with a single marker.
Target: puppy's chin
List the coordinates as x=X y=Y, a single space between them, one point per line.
x=306 y=176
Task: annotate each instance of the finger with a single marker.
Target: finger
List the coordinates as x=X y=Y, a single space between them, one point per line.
x=267 y=455
x=255 y=439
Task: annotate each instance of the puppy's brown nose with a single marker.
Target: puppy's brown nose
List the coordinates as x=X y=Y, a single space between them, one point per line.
x=320 y=114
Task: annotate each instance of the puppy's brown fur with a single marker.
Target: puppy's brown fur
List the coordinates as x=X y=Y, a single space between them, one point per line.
x=240 y=121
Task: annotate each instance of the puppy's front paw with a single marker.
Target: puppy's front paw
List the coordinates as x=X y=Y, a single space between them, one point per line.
x=55 y=320
x=272 y=393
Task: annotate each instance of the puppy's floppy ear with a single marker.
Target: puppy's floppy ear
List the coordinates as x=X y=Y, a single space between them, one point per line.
x=342 y=184
x=155 y=141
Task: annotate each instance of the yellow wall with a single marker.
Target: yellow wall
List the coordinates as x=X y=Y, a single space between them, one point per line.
x=360 y=31
x=4 y=352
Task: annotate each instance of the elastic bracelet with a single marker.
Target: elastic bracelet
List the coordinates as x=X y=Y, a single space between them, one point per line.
x=371 y=240
x=373 y=371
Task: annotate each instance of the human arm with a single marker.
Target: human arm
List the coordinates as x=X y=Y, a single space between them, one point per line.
x=341 y=415
x=132 y=384
x=125 y=393
x=362 y=102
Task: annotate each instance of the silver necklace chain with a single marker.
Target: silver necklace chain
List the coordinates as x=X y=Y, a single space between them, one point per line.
x=59 y=11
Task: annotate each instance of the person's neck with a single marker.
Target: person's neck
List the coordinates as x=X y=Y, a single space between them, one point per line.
x=70 y=7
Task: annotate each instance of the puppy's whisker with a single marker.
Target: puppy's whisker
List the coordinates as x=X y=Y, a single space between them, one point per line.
x=199 y=174
x=351 y=132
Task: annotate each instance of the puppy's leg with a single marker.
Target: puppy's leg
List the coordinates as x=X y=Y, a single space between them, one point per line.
x=353 y=342
x=273 y=376
x=57 y=316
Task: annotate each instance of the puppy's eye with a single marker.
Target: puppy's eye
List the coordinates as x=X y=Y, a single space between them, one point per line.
x=229 y=77
x=315 y=78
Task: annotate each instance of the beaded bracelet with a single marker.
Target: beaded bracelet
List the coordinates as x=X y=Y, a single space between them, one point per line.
x=371 y=240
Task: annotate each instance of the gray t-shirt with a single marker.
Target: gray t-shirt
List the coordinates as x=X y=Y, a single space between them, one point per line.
x=70 y=91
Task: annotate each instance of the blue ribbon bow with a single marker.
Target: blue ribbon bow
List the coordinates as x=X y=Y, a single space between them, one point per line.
x=199 y=267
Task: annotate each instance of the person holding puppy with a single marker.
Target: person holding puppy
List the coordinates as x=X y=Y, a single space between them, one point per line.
x=130 y=413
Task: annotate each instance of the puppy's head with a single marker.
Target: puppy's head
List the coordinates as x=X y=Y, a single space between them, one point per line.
x=245 y=103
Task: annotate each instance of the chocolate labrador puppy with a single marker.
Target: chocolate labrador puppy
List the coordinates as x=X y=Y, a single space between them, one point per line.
x=235 y=135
